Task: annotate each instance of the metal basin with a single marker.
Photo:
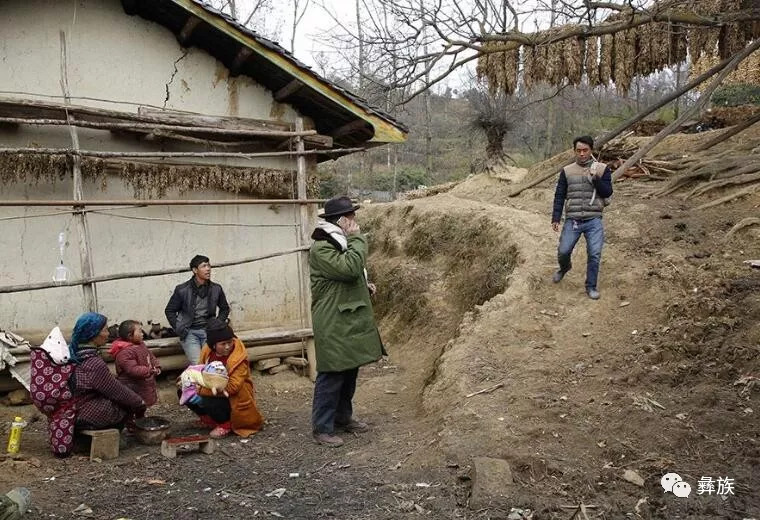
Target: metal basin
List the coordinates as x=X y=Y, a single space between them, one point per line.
x=151 y=430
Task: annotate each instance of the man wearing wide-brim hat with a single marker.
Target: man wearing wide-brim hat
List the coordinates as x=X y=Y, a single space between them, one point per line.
x=345 y=333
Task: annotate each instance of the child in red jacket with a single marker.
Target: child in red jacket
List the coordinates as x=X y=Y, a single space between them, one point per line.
x=136 y=366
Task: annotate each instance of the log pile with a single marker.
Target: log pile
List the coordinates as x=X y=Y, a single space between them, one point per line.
x=698 y=172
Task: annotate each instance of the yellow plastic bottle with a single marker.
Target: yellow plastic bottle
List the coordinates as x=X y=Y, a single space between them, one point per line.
x=14 y=439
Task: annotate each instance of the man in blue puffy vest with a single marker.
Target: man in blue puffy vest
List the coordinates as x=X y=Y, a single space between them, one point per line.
x=583 y=190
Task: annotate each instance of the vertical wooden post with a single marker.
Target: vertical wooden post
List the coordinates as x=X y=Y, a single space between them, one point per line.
x=85 y=253
x=303 y=257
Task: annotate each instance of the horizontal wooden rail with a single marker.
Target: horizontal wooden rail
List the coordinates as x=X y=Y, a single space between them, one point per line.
x=165 y=202
x=155 y=126
x=158 y=154
x=144 y=274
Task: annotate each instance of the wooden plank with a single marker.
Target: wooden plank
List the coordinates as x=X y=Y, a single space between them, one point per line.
x=193 y=119
x=160 y=154
x=203 y=130
x=310 y=142
x=85 y=251
x=288 y=90
x=14 y=107
x=187 y=30
x=160 y=202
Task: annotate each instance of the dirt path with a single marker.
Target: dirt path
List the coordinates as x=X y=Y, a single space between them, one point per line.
x=391 y=471
x=642 y=380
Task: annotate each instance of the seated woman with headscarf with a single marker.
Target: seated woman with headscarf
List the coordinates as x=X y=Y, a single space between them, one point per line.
x=81 y=394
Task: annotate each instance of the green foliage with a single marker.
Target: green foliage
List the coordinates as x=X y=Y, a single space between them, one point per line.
x=735 y=95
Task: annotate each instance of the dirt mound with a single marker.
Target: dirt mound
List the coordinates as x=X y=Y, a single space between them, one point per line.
x=581 y=391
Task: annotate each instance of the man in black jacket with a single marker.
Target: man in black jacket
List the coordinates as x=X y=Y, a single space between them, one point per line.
x=192 y=304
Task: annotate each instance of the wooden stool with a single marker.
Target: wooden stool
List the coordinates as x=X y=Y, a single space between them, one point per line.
x=104 y=445
x=204 y=442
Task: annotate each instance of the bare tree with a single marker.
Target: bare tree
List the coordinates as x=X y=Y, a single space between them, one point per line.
x=254 y=14
x=299 y=10
x=430 y=40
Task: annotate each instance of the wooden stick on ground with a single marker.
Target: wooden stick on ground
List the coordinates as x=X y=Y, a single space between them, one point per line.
x=486 y=390
x=728 y=198
x=731 y=132
x=749 y=221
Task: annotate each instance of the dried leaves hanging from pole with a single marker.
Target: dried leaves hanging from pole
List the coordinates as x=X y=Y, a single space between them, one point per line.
x=613 y=58
x=154 y=180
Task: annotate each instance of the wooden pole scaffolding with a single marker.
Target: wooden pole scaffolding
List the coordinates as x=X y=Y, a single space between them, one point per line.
x=164 y=202
x=140 y=274
x=155 y=126
x=303 y=257
x=168 y=155
x=89 y=290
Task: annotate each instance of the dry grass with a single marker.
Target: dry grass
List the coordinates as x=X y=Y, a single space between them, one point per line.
x=413 y=251
x=151 y=180
x=476 y=258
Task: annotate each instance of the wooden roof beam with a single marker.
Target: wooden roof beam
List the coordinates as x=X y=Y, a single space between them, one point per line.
x=239 y=61
x=288 y=90
x=350 y=128
x=310 y=141
x=187 y=31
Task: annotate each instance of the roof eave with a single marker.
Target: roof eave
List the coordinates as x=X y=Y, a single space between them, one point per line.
x=384 y=131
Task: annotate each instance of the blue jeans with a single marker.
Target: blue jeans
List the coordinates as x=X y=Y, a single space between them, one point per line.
x=593 y=231
x=193 y=343
x=333 y=392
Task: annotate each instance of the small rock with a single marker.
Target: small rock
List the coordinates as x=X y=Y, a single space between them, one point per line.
x=624 y=304
x=82 y=509
x=633 y=477
x=748 y=411
x=19 y=397
x=407 y=506
x=682 y=416
x=276 y=493
x=520 y=514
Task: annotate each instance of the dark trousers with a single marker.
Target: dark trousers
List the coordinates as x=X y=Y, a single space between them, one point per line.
x=333 y=392
x=218 y=408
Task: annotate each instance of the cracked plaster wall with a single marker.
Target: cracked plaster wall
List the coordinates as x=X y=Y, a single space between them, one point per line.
x=113 y=56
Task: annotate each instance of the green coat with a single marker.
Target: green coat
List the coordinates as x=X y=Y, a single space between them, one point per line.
x=345 y=333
